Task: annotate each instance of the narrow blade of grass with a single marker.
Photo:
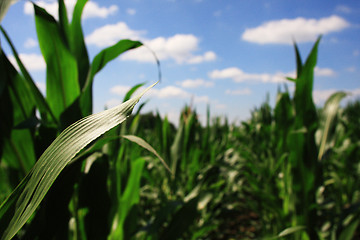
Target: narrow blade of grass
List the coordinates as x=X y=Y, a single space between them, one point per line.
x=141 y=142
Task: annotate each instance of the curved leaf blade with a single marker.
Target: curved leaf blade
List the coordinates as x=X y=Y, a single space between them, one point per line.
x=55 y=158
x=291 y=230
x=141 y=142
x=131 y=91
x=330 y=111
x=99 y=62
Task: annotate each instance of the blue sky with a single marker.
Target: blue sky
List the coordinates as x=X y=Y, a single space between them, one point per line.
x=227 y=54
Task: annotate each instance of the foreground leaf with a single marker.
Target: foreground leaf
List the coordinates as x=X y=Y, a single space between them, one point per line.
x=36 y=184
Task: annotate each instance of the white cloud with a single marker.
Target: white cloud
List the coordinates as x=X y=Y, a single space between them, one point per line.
x=320 y=96
x=30 y=43
x=201 y=99
x=41 y=86
x=299 y=29
x=244 y=91
x=160 y=93
x=32 y=62
x=112 y=33
x=50 y=6
x=356 y=53
x=112 y=103
x=217 y=13
x=343 y=9
x=324 y=72
x=351 y=69
x=238 y=75
x=195 y=83
x=180 y=48
x=166 y=92
x=217 y=105
x=207 y=57
x=169 y=92
x=220 y=106
x=131 y=11
x=120 y=90
x=91 y=9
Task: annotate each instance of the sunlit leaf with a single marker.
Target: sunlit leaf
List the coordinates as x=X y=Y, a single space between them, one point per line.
x=4 y=6
x=330 y=111
x=34 y=187
x=141 y=142
x=291 y=230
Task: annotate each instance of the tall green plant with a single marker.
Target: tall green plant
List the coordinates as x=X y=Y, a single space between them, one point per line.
x=69 y=79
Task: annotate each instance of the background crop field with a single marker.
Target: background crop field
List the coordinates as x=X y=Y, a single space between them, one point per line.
x=290 y=171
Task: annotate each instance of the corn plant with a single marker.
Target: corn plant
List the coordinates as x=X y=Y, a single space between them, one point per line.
x=68 y=104
x=289 y=172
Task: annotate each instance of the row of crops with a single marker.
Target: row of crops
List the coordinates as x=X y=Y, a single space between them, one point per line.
x=292 y=171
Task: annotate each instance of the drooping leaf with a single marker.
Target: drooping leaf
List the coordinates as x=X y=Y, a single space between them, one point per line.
x=141 y=142
x=330 y=111
x=100 y=60
x=291 y=230
x=34 y=187
x=131 y=91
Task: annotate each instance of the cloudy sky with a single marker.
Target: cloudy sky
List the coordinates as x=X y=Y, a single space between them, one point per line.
x=227 y=54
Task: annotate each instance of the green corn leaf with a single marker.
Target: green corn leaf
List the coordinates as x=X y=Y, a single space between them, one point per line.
x=350 y=230
x=34 y=187
x=131 y=91
x=64 y=23
x=141 y=142
x=77 y=43
x=4 y=6
x=303 y=152
x=330 y=111
x=182 y=220
x=111 y=53
x=177 y=148
x=304 y=105
x=291 y=230
x=17 y=107
x=99 y=62
x=37 y=95
x=130 y=197
x=298 y=60
x=62 y=87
